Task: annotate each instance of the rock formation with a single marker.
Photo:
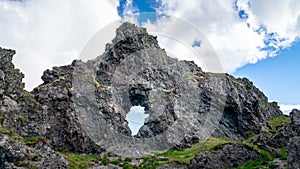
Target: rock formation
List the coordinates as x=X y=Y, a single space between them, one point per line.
x=81 y=108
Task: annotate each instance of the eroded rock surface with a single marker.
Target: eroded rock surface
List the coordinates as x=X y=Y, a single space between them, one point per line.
x=81 y=108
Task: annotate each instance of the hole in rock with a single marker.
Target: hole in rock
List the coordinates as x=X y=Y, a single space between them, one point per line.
x=136 y=118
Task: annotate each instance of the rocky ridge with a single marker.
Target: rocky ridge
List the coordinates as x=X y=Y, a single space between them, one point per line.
x=38 y=127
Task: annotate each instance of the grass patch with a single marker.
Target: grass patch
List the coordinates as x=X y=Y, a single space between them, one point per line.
x=150 y=163
x=186 y=155
x=261 y=163
x=117 y=162
x=29 y=97
x=284 y=153
x=279 y=121
x=2 y=129
x=34 y=140
x=23 y=120
x=126 y=165
x=81 y=161
x=250 y=134
x=265 y=161
x=1 y=118
x=105 y=160
x=265 y=130
x=11 y=132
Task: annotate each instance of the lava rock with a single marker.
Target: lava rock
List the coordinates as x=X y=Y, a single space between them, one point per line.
x=294 y=153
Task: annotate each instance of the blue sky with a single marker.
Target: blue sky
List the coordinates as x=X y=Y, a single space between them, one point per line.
x=247 y=35
x=278 y=77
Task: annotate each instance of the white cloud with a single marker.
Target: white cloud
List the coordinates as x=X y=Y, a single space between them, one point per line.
x=236 y=40
x=286 y=109
x=50 y=32
x=177 y=37
x=129 y=9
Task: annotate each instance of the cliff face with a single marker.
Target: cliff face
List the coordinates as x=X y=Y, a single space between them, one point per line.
x=185 y=104
x=81 y=108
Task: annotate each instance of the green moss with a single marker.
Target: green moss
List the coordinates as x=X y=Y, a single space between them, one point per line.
x=150 y=163
x=105 y=160
x=279 y=121
x=144 y=163
x=1 y=118
x=265 y=130
x=38 y=127
x=127 y=159
x=36 y=157
x=34 y=140
x=126 y=165
x=62 y=77
x=250 y=134
x=11 y=132
x=284 y=153
x=29 y=97
x=117 y=162
x=6 y=131
x=81 y=161
x=23 y=120
x=98 y=85
x=2 y=129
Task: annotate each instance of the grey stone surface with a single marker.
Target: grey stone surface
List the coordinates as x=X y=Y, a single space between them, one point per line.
x=81 y=108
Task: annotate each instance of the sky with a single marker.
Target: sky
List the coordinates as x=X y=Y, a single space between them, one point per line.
x=257 y=39
x=135 y=118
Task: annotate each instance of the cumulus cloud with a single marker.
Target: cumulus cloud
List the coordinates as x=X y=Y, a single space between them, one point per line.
x=286 y=109
x=178 y=37
x=241 y=31
x=50 y=32
x=128 y=9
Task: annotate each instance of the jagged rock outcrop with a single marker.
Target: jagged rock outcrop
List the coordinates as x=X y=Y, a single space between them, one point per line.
x=20 y=123
x=294 y=141
x=294 y=153
x=81 y=108
x=10 y=78
x=60 y=123
x=19 y=109
x=177 y=95
x=16 y=155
